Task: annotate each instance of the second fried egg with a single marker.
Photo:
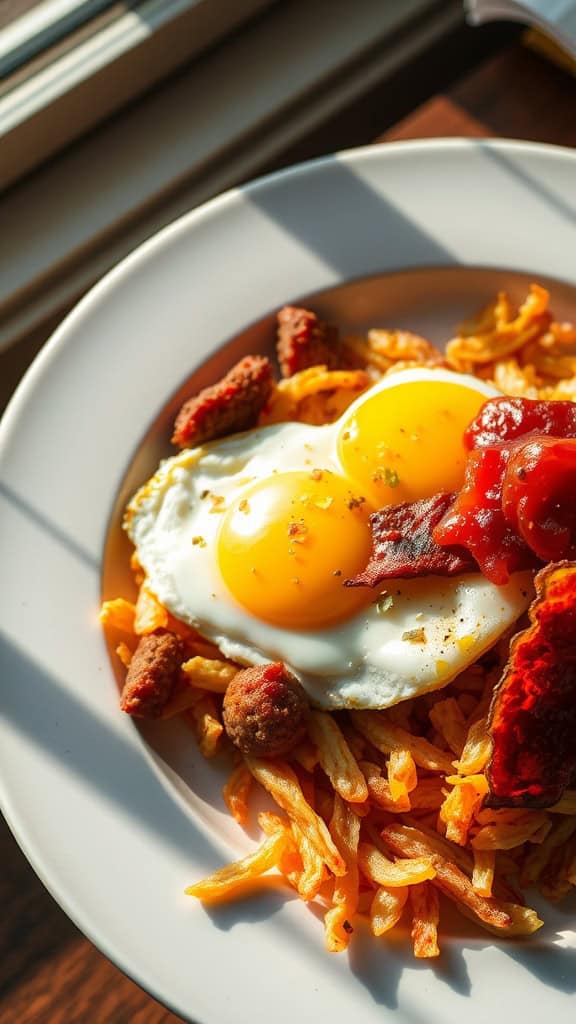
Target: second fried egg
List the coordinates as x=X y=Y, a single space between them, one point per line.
x=250 y=540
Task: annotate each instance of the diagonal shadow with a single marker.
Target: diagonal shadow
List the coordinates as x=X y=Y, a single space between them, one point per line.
x=67 y=729
x=40 y=708
x=566 y=210
x=552 y=964
x=49 y=527
x=320 y=221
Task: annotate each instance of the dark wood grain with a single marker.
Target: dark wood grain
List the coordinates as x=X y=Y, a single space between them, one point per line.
x=49 y=973
x=516 y=94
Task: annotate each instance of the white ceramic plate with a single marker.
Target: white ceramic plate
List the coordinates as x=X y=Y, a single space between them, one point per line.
x=117 y=825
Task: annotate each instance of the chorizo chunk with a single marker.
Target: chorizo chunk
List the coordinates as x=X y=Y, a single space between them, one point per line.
x=265 y=710
x=152 y=675
x=304 y=341
x=231 y=405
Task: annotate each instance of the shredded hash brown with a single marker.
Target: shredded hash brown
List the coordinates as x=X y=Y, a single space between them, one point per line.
x=381 y=814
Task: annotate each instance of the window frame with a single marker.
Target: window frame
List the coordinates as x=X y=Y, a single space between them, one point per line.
x=41 y=26
x=66 y=224
x=93 y=72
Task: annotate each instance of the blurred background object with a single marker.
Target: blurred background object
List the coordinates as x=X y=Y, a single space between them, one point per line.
x=555 y=19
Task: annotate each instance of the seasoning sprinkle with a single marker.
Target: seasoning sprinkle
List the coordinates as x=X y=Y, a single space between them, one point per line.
x=297 y=531
x=217 y=503
x=324 y=503
x=384 y=603
x=387 y=476
x=355 y=501
x=415 y=636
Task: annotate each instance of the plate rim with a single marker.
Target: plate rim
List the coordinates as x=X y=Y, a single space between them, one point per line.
x=165 y=235
x=64 y=336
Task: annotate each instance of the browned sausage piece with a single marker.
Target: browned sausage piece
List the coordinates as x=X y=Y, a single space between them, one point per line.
x=265 y=710
x=231 y=405
x=304 y=341
x=152 y=675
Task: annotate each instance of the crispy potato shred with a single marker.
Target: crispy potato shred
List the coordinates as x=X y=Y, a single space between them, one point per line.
x=316 y=396
x=467 y=793
x=524 y=352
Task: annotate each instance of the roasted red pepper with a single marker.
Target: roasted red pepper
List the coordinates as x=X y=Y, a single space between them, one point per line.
x=515 y=507
x=476 y=520
x=506 y=419
x=539 y=496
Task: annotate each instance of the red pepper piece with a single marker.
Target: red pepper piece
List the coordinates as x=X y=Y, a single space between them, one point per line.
x=539 y=496
x=476 y=520
x=532 y=720
x=505 y=419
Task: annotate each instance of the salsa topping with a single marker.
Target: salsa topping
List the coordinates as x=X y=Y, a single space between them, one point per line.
x=532 y=720
x=514 y=509
x=513 y=512
x=538 y=493
x=476 y=520
x=506 y=419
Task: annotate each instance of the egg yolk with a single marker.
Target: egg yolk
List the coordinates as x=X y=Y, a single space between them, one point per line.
x=287 y=544
x=405 y=442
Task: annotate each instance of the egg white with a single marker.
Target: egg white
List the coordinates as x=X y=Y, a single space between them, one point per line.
x=368 y=661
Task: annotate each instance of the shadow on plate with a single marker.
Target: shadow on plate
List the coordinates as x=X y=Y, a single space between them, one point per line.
x=41 y=708
x=429 y=302
x=543 y=955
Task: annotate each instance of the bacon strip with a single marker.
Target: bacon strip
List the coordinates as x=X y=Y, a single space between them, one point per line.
x=532 y=720
x=231 y=405
x=402 y=544
x=304 y=341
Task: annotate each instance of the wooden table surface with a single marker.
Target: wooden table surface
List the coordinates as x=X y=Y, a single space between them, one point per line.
x=49 y=973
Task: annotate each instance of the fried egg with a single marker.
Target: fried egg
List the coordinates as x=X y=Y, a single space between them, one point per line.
x=251 y=538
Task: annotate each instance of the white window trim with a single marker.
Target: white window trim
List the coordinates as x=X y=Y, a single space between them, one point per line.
x=218 y=123
x=95 y=72
x=40 y=27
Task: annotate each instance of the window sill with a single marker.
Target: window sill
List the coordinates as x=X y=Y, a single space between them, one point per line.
x=228 y=116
